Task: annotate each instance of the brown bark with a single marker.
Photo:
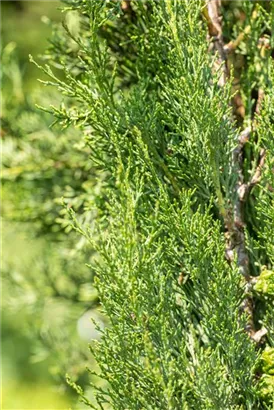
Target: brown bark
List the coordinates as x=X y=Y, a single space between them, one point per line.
x=234 y=218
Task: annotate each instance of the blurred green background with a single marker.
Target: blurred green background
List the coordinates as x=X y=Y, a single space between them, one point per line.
x=26 y=24
x=33 y=373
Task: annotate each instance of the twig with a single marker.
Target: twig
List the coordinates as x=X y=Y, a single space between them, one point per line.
x=236 y=235
x=235 y=221
x=232 y=45
x=214 y=19
x=246 y=188
x=257 y=336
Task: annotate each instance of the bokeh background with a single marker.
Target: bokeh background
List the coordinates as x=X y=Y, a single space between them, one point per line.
x=47 y=294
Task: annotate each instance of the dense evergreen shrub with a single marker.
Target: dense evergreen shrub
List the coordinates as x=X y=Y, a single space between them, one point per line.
x=175 y=102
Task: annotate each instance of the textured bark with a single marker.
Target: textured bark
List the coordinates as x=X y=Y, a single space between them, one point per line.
x=235 y=219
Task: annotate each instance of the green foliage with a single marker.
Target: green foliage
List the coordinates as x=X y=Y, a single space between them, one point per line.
x=165 y=336
x=267 y=386
x=160 y=182
x=267 y=379
x=267 y=359
x=265 y=203
x=265 y=283
x=170 y=132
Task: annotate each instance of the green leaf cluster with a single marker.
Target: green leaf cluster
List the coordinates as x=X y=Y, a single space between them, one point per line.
x=140 y=82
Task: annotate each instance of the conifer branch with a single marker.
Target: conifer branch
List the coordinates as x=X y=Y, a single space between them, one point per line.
x=214 y=19
x=236 y=227
x=233 y=44
x=235 y=223
x=237 y=235
x=154 y=103
x=245 y=188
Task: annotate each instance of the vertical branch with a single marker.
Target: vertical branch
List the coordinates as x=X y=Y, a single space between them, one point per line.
x=214 y=19
x=235 y=221
x=214 y=23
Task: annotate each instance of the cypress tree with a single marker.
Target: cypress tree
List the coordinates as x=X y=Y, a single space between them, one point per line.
x=175 y=101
